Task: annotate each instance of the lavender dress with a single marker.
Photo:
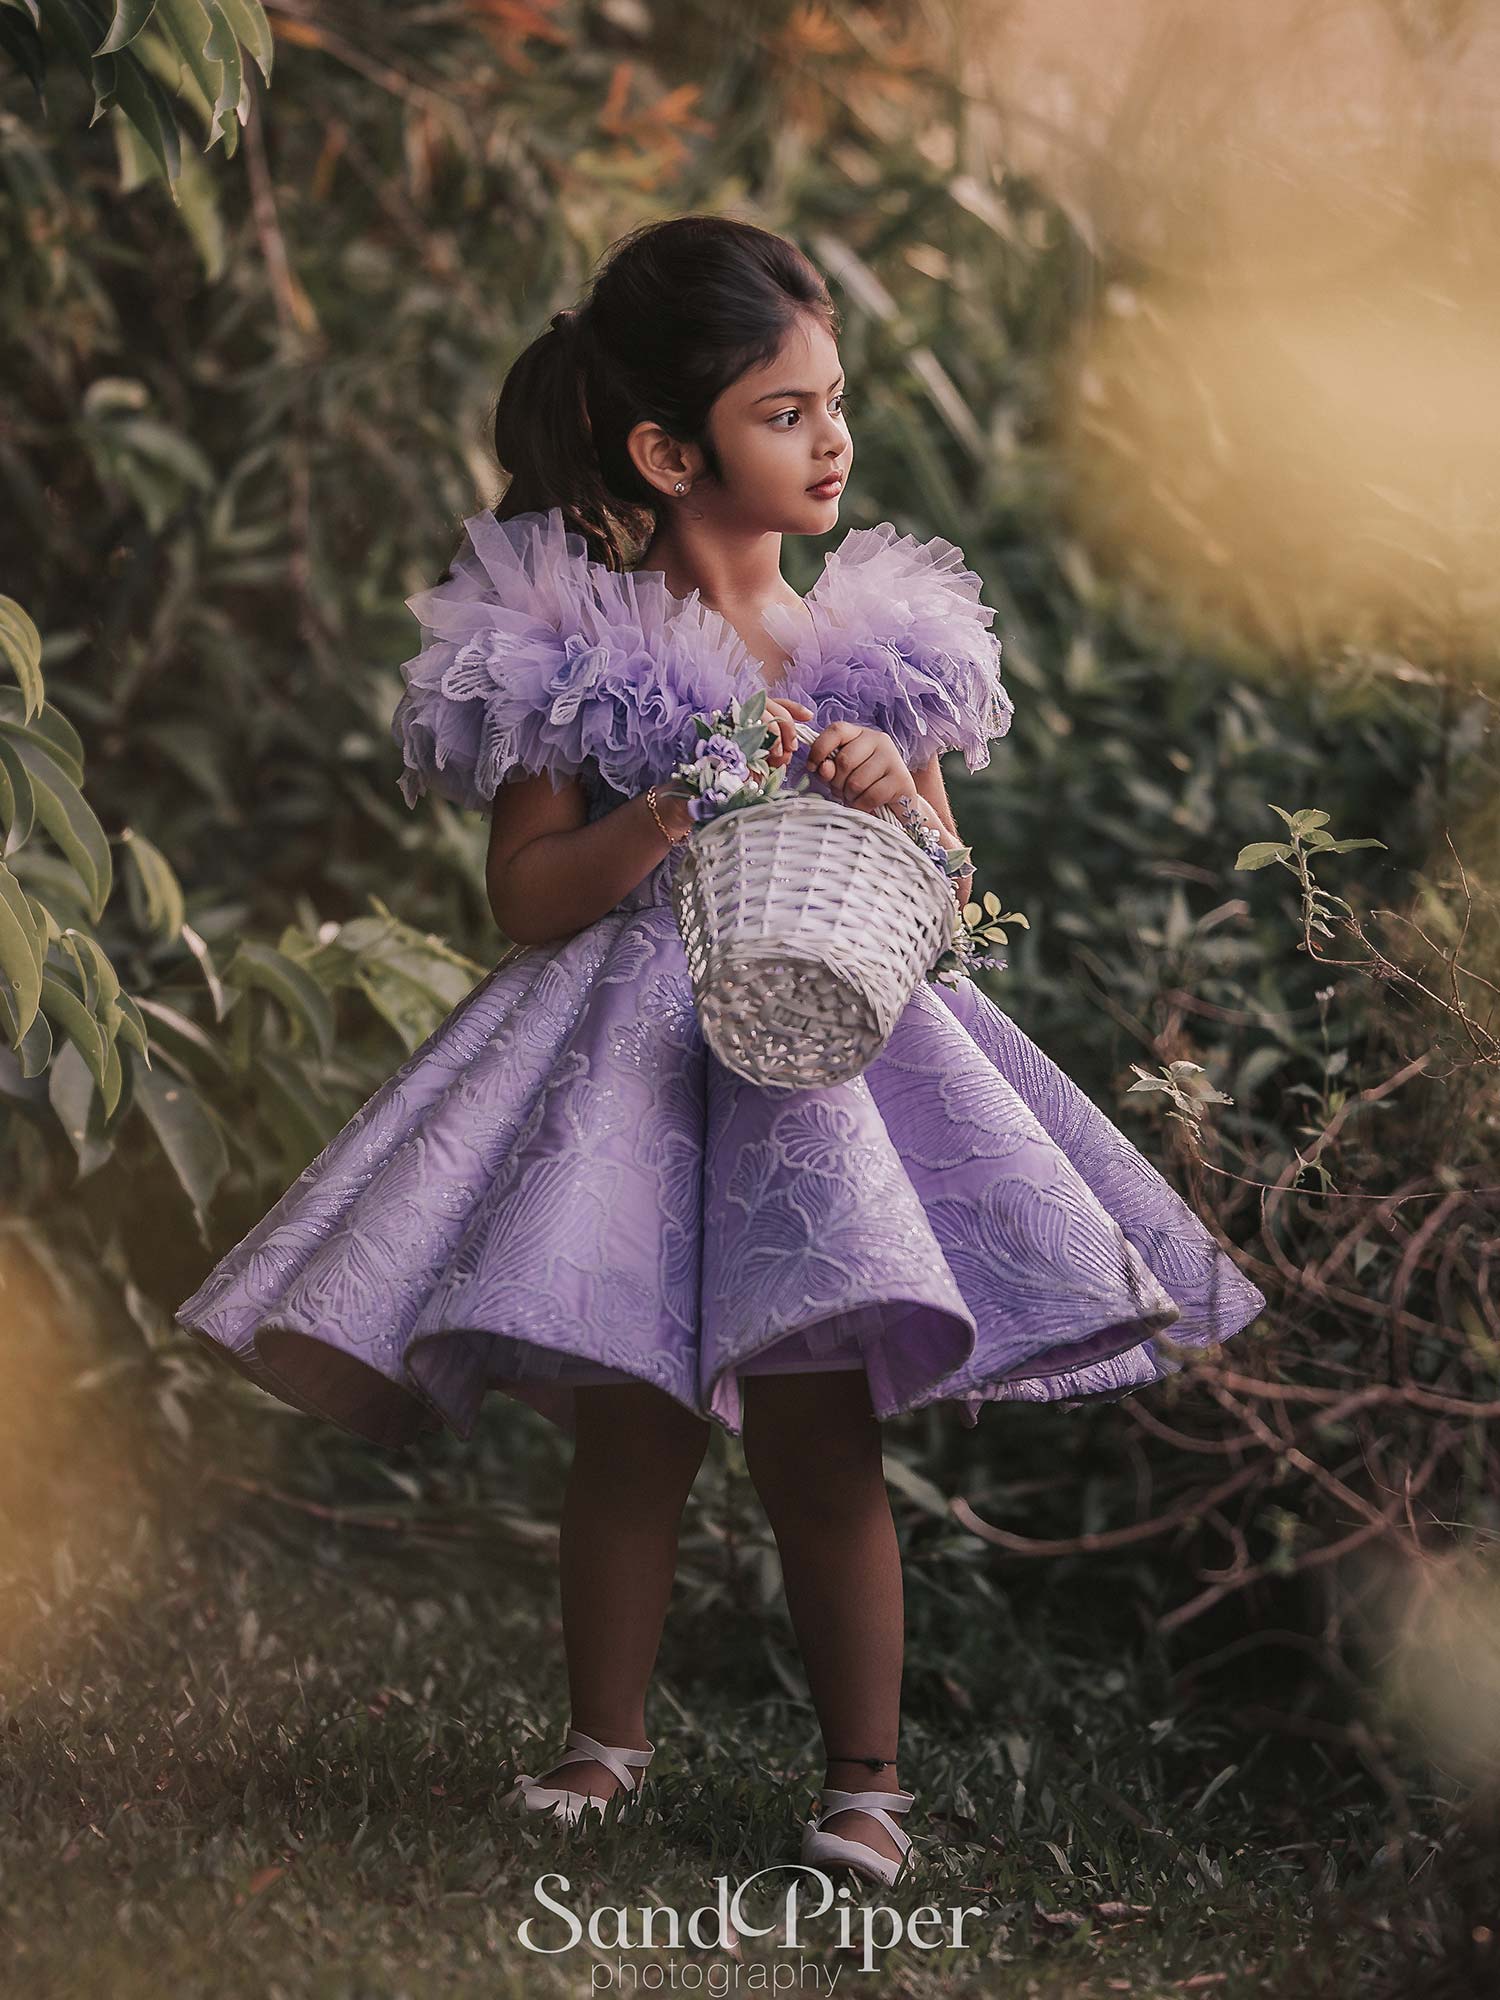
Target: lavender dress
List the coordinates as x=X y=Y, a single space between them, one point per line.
x=563 y=1186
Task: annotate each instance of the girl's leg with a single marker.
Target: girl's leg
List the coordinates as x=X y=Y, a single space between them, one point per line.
x=812 y=1448
x=636 y=1454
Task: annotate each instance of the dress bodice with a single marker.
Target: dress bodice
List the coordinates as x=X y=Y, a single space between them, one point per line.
x=538 y=658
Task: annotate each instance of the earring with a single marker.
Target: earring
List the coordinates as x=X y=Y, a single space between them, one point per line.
x=679 y=487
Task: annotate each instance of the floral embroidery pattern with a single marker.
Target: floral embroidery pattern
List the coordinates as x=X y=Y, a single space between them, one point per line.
x=563 y=1184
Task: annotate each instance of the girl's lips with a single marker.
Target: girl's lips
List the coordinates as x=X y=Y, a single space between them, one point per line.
x=828 y=487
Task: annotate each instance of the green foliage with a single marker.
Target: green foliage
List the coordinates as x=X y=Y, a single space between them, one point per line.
x=1188 y=1087
x=81 y=1048
x=149 y=62
x=55 y=978
x=1310 y=835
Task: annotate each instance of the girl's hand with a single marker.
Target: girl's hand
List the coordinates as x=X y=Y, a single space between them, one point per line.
x=784 y=715
x=672 y=800
x=863 y=767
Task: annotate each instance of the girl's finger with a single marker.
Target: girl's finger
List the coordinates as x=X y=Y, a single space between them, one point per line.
x=862 y=758
x=828 y=741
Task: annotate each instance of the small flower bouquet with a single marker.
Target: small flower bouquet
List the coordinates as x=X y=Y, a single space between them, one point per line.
x=732 y=769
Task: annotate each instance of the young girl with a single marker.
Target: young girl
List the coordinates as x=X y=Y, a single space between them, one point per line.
x=563 y=1195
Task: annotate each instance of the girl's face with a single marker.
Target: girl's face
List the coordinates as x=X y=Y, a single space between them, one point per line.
x=779 y=431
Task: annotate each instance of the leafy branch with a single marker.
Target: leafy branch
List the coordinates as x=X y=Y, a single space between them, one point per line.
x=149 y=60
x=1310 y=837
x=80 y=1053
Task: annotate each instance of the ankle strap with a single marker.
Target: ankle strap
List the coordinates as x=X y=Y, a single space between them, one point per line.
x=613 y=1756
x=835 y=1800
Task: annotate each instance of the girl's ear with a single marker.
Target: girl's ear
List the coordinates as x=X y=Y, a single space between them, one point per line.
x=659 y=458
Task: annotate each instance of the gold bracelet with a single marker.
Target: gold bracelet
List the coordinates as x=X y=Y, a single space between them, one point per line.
x=671 y=839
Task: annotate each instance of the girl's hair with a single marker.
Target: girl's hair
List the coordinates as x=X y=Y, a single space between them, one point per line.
x=677 y=312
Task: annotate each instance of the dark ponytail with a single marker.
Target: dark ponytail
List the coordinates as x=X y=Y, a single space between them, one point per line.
x=543 y=435
x=678 y=311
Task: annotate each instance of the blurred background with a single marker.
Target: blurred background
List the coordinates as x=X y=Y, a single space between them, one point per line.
x=1181 y=320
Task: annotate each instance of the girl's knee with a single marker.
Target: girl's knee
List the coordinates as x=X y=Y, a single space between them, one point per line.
x=818 y=1408
x=812 y=1434
x=637 y=1431
x=841 y=1486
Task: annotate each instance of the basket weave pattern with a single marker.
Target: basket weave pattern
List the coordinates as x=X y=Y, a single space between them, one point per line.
x=807 y=926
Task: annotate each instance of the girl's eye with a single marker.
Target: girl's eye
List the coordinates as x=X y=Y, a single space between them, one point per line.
x=841 y=399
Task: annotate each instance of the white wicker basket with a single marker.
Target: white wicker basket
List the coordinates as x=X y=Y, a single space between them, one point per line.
x=808 y=925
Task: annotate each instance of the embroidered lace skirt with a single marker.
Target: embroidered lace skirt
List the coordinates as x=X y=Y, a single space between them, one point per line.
x=563 y=1186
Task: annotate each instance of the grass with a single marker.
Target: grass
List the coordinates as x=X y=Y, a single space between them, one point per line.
x=262 y=1688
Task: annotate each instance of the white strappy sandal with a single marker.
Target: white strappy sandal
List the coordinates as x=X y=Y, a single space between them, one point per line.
x=571 y=1806
x=831 y=1850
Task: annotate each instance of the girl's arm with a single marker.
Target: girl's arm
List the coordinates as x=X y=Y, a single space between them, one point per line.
x=929 y=779
x=550 y=874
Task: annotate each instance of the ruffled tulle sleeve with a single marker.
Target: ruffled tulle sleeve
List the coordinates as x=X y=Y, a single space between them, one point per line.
x=907 y=646
x=536 y=659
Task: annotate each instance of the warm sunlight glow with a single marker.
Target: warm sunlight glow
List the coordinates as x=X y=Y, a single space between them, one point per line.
x=69 y=1468
x=1443 y=1669
x=1285 y=410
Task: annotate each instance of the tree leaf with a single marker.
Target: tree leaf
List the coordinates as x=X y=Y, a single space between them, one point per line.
x=298 y=993
x=17 y=800
x=75 y=1098
x=61 y=738
x=20 y=41
x=20 y=953
x=35 y=1049
x=67 y=1011
x=186 y=1133
x=130 y=18
x=285 y=1102
x=21 y=649
x=247 y=20
x=170 y=1027
x=162 y=892
x=199 y=948
x=66 y=815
